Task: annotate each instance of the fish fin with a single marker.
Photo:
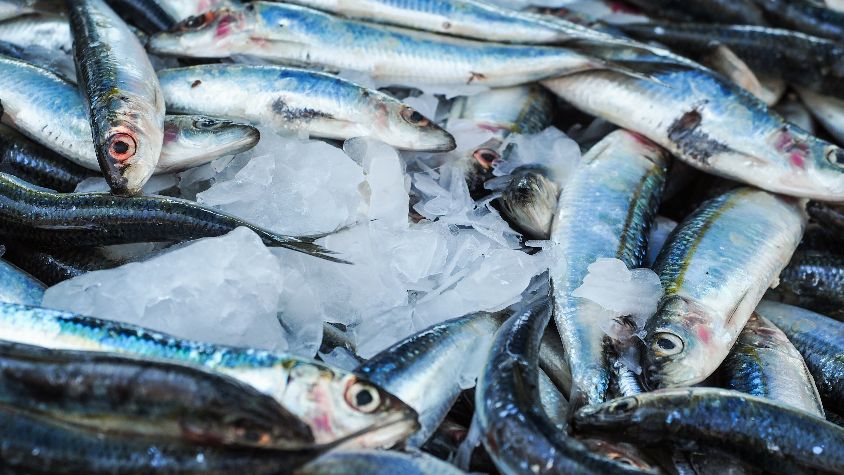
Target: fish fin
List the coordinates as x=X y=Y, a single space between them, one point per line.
x=304 y=245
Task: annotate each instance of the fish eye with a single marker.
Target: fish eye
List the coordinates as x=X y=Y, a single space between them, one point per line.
x=197 y=21
x=363 y=396
x=121 y=146
x=667 y=344
x=413 y=117
x=835 y=156
x=487 y=157
x=206 y=123
x=249 y=7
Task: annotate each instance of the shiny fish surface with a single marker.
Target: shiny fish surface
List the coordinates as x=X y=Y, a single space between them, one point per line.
x=17 y=286
x=424 y=369
x=378 y=462
x=124 y=102
x=325 y=398
x=193 y=140
x=300 y=36
x=48 y=31
x=808 y=17
x=181 y=9
x=713 y=126
x=764 y=363
x=756 y=430
x=529 y=200
x=14 y=8
x=813 y=280
x=829 y=111
x=298 y=99
x=147 y=15
x=714 y=268
x=819 y=339
x=517 y=433
x=719 y=11
x=39 y=216
x=605 y=211
x=52 y=266
x=128 y=396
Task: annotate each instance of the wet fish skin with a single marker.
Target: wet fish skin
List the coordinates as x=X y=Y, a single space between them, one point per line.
x=193 y=140
x=714 y=268
x=182 y=9
x=50 y=31
x=129 y=396
x=830 y=216
x=65 y=450
x=423 y=370
x=813 y=280
x=52 y=266
x=712 y=125
x=146 y=15
x=15 y=8
x=764 y=363
x=123 y=99
x=819 y=340
x=719 y=11
x=605 y=211
x=517 y=434
x=829 y=111
x=17 y=286
x=322 y=396
x=756 y=430
x=297 y=99
x=805 y=17
x=29 y=161
x=378 y=462
x=529 y=200
x=388 y=54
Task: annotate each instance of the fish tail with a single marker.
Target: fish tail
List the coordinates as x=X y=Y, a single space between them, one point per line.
x=304 y=245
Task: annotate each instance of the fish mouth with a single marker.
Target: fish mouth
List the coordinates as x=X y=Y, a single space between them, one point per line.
x=390 y=431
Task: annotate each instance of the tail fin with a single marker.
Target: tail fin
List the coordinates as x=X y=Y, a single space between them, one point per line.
x=304 y=245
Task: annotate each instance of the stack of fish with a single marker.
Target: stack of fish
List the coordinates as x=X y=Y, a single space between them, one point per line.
x=466 y=293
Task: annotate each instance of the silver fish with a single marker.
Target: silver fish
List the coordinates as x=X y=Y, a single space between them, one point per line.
x=298 y=99
x=295 y=35
x=121 y=91
x=714 y=269
x=378 y=462
x=17 y=286
x=604 y=211
x=529 y=199
x=712 y=125
x=192 y=140
x=14 y=8
x=829 y=111
x=181 y=9
x=48 y=31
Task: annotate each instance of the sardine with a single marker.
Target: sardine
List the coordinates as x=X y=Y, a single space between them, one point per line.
x=829 y=111
x=49 y=31
x=553 y=402
x=132 y=397
x=14 y=8
x=755 y=430
x=714 y=126
x=298 y=99
x=17 y=286
x=819 y=340
x=38 y=216
x=714 y=268
x=181 y=9
x=717 y=11
x=793 y=110
x=804 y=16
x=813 y=280
x=296 y=35
x=146 y=15
x=38 y=165
x=52 y=266
x=424 y=369
x=605 y=211
x=829 y=216
x=528 y=199
x=123 y=99
x=193 y=140
x=378 y=462
x=764 y=363
x=335 y=404
x=516 y=431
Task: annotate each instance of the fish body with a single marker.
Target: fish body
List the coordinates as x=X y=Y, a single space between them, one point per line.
x=424 y=370
x=605 y=211
x=57 y=265
x=829 y=111
x=15 y=8
x=718 y=11
x=121 y=92
x=48 y=31
x=146 y=15
x=325 y=398
x=806 y=17
x=17 y=286
x=295 y=35
x=756 y=430
x=298 y=99
x=819 y=341
x=714 y=126
x=764 y=363
x=529 y=200
x=813 y=280
x=714 y=268
x=181 y=9
x=193 y=140
x=378 y=462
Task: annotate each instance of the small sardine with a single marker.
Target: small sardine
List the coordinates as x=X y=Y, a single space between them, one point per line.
x=378 y=462
x=14 y=8
x=49 y=31
x=755 y=430
x=17 y=286
x=717 y=11
x=528 y=200
x=193 y=140
x=123 y=99
x=57 y=265
x=714 y=269
x=764 y=363
x=813 y=280
x=147 y=15
x=297 y=99
x=805 y=17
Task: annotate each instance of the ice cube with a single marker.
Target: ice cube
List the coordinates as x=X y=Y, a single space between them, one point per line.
x=467 y=134
x=220 y=290
x=425 y=104
x=389 y=202
x=550 y=148
x=613 y=286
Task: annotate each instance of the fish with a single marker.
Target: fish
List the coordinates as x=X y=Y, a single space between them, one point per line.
x=132 y=397
x=15 y=8
x=554 y=404
x=756 y=430
x=47 y=30
x=553 y=362
x=120 y=90
x=828 y=215
x=424 y=370
x=818 y=339
x=714 y=268
x=804 y=16
x=529 y=199
x=300 y=36
x=41 y=217
x=605 y=211
x=807 y=61
x=713 y=126
x=764 y=363
x=36 y=444
x=793 y=110
x=717 y=11
x=829 y=111
x=193 y=140
x=297 y=99
x=18 y=286
x=148 y=16
x=335 y=404
x=378 y=462
x=36 y=164
x=516 y=432
x=52 y=266
x=813 y=280
x=182 y=9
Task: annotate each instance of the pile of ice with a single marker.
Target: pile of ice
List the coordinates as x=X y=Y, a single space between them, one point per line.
x=550 y=148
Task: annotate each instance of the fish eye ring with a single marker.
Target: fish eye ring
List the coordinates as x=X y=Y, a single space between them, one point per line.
x=362 y=396
x=121 y=146
x=413 y=117
x=835 y=156
x=667 y=344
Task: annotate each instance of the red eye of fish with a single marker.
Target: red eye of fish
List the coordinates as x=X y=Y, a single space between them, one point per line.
x=197 y=21
x=487 y=157
x=121 y=146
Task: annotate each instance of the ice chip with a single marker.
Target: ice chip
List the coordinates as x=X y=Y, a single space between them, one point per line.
x=660 y=230
x=467 y=134
x=426 y=104
x=340 y=358
x=550 y=148
x=389 y=202
x=474 y=361
x=614 y=287
x=221 y=290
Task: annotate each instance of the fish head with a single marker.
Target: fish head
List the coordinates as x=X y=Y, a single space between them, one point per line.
x=628 y=418
x=405 y=128
x=530 y=200
x=201 y=136
x=683 y=344
x=342 y=406
x=213 y=34
x=477 y=165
